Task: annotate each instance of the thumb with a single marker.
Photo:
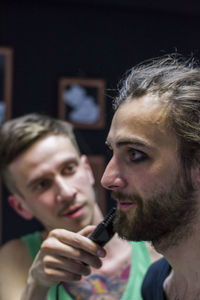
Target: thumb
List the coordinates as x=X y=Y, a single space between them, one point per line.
x=87 y=230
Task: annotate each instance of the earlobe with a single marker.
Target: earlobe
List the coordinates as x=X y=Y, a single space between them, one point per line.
x=21 y=209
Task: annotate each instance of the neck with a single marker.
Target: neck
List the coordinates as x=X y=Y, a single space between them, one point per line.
x=185 y=254
x=184 y=280
x=179 y=287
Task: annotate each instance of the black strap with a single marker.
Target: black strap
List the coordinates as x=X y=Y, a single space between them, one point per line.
x=57 y=290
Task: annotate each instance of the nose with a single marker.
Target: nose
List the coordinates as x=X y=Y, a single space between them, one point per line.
x=64 y=190
x=111 y=179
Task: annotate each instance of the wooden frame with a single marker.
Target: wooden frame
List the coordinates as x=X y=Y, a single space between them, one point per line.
x=6 y=62
x=97 y=163
x=82 y=102
x=1 y=213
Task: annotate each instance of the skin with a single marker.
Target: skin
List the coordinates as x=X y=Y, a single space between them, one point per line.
x=54 y=183
x=145 y=159
x=141 y=151
x=56 y=187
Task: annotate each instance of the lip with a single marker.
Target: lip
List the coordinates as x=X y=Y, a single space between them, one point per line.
x=73 y=212
x=125 y=205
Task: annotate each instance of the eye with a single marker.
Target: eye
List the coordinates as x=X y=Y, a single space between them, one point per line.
x=137 y=156
x=109 y=152
x=70 y=169
x=42 y=185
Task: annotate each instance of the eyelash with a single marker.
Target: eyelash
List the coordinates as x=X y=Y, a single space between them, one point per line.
x=71 y=168
x=142 y=157
x=46 y=184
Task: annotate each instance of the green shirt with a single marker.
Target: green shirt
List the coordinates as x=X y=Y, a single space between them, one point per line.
x=139 y=265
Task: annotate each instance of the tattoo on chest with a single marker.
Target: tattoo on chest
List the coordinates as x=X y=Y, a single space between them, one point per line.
x=99 y=287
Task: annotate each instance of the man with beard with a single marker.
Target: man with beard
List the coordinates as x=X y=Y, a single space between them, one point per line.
x=50 y=180
x=154 y=172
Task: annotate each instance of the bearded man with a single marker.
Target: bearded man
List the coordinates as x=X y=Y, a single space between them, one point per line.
x=154 y=171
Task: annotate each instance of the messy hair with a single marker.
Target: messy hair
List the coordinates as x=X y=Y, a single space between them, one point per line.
x=175 y=81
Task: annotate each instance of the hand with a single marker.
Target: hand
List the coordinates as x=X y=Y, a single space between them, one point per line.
x=65 y=256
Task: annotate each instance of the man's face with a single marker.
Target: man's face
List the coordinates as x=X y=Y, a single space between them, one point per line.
x=55 y=184
x=155 y=197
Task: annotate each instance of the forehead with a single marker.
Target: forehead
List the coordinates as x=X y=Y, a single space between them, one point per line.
x=48 y=149
x=51 y=143
x=141 y=118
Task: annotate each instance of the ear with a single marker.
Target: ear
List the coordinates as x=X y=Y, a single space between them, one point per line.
x=88 y=168
x=20 y=207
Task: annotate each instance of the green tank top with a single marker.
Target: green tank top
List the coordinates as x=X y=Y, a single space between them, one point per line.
x=139 y=265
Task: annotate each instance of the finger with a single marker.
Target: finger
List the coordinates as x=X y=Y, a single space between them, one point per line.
x=75 y=240
x=54 y=247
x=75 y=267
x=54 y=276
x=87 y=230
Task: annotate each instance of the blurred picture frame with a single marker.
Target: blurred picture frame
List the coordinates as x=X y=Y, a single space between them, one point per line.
x=1 y=197
x=97 y=163
x=81 y=101
x=6 y=66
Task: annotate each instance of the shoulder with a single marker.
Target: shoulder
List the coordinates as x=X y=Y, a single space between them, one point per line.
x=161 y=267
x=15 y=263
x=154 y=278
x=14 y=253
x=11 y=246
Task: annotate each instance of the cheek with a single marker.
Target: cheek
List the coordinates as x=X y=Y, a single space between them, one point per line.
x=45 y=201
x=160 y=181
x=84 y=186
x=147 y=181
x=83 y=180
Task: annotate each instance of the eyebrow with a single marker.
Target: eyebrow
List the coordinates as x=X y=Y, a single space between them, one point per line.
x=33 y=181
x=130 y=142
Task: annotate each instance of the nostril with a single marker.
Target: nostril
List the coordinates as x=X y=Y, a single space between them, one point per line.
x=117 y=184
x=58 y=197
x=112 y=187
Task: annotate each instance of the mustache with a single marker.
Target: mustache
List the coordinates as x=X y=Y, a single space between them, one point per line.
x=64 y=208
x=119 y=196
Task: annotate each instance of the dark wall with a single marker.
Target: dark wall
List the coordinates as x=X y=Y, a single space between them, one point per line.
x=91 y=39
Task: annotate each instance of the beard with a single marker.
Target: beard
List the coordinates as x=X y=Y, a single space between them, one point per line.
x=164 y=219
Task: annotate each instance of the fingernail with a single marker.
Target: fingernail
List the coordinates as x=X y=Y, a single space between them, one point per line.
x=101 y=253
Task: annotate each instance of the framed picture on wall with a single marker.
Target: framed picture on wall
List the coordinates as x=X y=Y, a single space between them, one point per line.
x=97 y=163
x=82 y=102
x=6 y=60
x=0 y=213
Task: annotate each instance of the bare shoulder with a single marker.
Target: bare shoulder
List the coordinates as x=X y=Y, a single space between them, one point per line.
x=15 y=262
x=12 y=246
x=152 y=252
x=14 y=254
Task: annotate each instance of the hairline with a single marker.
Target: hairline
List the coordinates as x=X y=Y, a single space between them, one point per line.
x=7 y=174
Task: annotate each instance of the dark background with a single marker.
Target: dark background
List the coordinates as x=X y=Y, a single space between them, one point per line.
x=89 y=39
